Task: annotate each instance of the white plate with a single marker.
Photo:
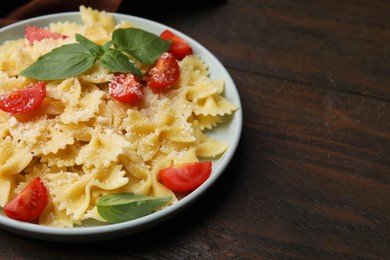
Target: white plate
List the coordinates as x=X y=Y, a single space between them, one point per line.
x=229 y=132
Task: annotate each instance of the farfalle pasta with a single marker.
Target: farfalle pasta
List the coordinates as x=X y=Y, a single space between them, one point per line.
x=83 y=144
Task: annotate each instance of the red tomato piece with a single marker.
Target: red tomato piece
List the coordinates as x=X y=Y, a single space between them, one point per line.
x=34 y=33
x=179 y=47
x=29 y=203
x=126 y=88
x=24 y=100
x=165 y=72
x=185 y=177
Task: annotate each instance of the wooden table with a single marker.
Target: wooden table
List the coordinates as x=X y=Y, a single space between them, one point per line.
x=311 y=176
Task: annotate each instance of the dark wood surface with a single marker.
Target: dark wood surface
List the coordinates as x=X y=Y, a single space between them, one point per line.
x=311 y=176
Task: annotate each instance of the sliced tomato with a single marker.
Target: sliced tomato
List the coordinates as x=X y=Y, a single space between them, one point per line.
x=179 y=47
x=126 y=87
x=34 y=33
x=185 y=177
x=165 y=72
x=24 y=100
x=29 y=203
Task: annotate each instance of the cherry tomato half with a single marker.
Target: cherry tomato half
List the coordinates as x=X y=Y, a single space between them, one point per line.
x=29 y=203
x=179 y=48
x=185 y=177
x=125 y=87
x=165 y=72
x=33 y=34
x=24 y=100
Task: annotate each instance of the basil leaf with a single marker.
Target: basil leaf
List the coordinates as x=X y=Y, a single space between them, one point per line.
x=116 y=61
x=120 y=207
x=107 y=45
x=90 y=45
x=63 y=62
x=142 y=45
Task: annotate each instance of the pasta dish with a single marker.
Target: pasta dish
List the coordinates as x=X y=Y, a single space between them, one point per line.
x=84 y=144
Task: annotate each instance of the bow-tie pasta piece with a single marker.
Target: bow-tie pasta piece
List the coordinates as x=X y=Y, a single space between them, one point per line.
x=14 y=158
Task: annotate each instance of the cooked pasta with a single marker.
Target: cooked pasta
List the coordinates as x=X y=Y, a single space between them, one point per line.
x=83 y=144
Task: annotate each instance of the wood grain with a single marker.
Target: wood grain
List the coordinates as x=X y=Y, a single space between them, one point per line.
x=311 y=176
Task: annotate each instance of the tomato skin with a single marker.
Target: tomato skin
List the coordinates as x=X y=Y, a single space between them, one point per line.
x=185 y=177
x=29 y=203
x=179 y=48
x=34 y=33
x=165 y=72
x=24 y=100
x=126 y=87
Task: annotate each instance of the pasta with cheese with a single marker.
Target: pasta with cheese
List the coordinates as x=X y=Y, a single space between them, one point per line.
x=84 y=144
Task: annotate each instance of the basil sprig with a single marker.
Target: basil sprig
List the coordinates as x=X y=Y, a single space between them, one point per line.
x=74 y=59
x=120 y=207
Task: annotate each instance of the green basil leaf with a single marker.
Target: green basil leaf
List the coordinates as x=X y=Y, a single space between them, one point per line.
x=63 y=62
x=90 y=45
x=107 y=45
x=142 y=45
x=117 y=61
x=120 y=207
